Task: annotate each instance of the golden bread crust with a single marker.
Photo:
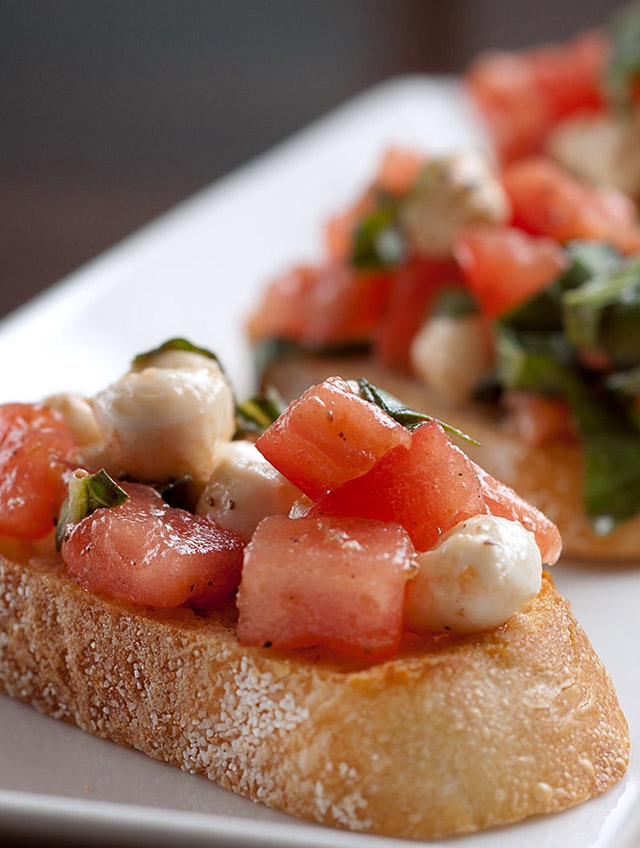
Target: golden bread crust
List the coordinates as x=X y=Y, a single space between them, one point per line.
x=452 y=735
x=549 y=476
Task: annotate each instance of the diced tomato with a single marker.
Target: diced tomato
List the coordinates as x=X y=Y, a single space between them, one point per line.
x=146 y=552
x=329 y=304
x=502 y=501
x=548 y=201
x=399 y=169
x=427 y=489
x=334 y=582
x=538 y=419
x=36 y=448
x=521 y=95
x=504 y=266
x=413 y=288
x=328 y=436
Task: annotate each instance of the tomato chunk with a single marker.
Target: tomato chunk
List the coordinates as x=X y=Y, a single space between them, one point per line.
x=399 y=169
x=548 y=201
x=36 y=448
x=504 y=266
x=328 y=304
x=413 y=288
x=501 y=500
x=146 y=552
x=523 y=94
x=427 y=489
x=328 y=436
x=335 y=582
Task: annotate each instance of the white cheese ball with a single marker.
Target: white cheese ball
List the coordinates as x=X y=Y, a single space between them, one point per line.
x=78 y=415
x=480 y=572
x=602 y=149
x=163 y=423
x=453 y=192
x=451 y=355
x=244 y=488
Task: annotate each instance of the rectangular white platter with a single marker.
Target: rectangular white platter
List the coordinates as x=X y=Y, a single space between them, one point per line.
x=196 y=272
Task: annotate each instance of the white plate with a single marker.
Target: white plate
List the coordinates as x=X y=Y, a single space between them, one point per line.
x=195 y=272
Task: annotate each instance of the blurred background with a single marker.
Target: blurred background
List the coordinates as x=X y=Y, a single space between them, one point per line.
x=112 y=111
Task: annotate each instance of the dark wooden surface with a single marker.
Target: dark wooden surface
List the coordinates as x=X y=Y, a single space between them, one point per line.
x=111 y=112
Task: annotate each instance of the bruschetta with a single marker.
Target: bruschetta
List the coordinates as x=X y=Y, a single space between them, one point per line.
x=336 y=613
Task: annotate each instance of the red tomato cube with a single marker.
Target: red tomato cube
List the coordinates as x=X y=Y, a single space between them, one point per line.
x=523 y=94
x=334 y=582
x=504 y=266
x=325 y=305
x=146 y=552
x=328 y=436
x=501 y=500
x=36 y=448
x=427 y=489
x=413 y=288
x=550 y=202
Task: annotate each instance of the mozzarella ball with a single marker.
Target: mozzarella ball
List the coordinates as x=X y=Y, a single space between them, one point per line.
x=602 y=149
x=78 y=415
x=451 y=355
x=244 y=488
x=480 y=573
x=453 y=192
x=163 y=423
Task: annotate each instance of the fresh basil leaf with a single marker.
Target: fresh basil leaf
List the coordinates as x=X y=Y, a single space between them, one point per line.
x=612 y=457
x=609 y=437
x=623 y=69
x=409 y=418
x=87 y=492
x=143 y=359
x=543 y=312
x=175 y=491
x=378 y=238
x=604 y=314
x=625 y=382
x=588 y=259
x=454 y=302
x=257 y=413
x=534 y=362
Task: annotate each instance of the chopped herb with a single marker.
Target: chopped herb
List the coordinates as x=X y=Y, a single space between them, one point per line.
x=609 y=435
x=144 y=359
x=543 y=312
x=257 y=413
x=622 y=73
x=454 y=302
x=378 y=240
x=603 y=314
x=175 y=491
x=625 y=382
x=409 y=418
x=87 y=492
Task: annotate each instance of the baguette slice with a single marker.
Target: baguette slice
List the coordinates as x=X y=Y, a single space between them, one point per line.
x=549 y=476
x=452 y=735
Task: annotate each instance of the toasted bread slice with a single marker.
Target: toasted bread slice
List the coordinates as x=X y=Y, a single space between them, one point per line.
x=452 y=735
x=549 y=475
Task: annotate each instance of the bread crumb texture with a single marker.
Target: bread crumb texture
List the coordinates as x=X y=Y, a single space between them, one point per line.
x=452 y=735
